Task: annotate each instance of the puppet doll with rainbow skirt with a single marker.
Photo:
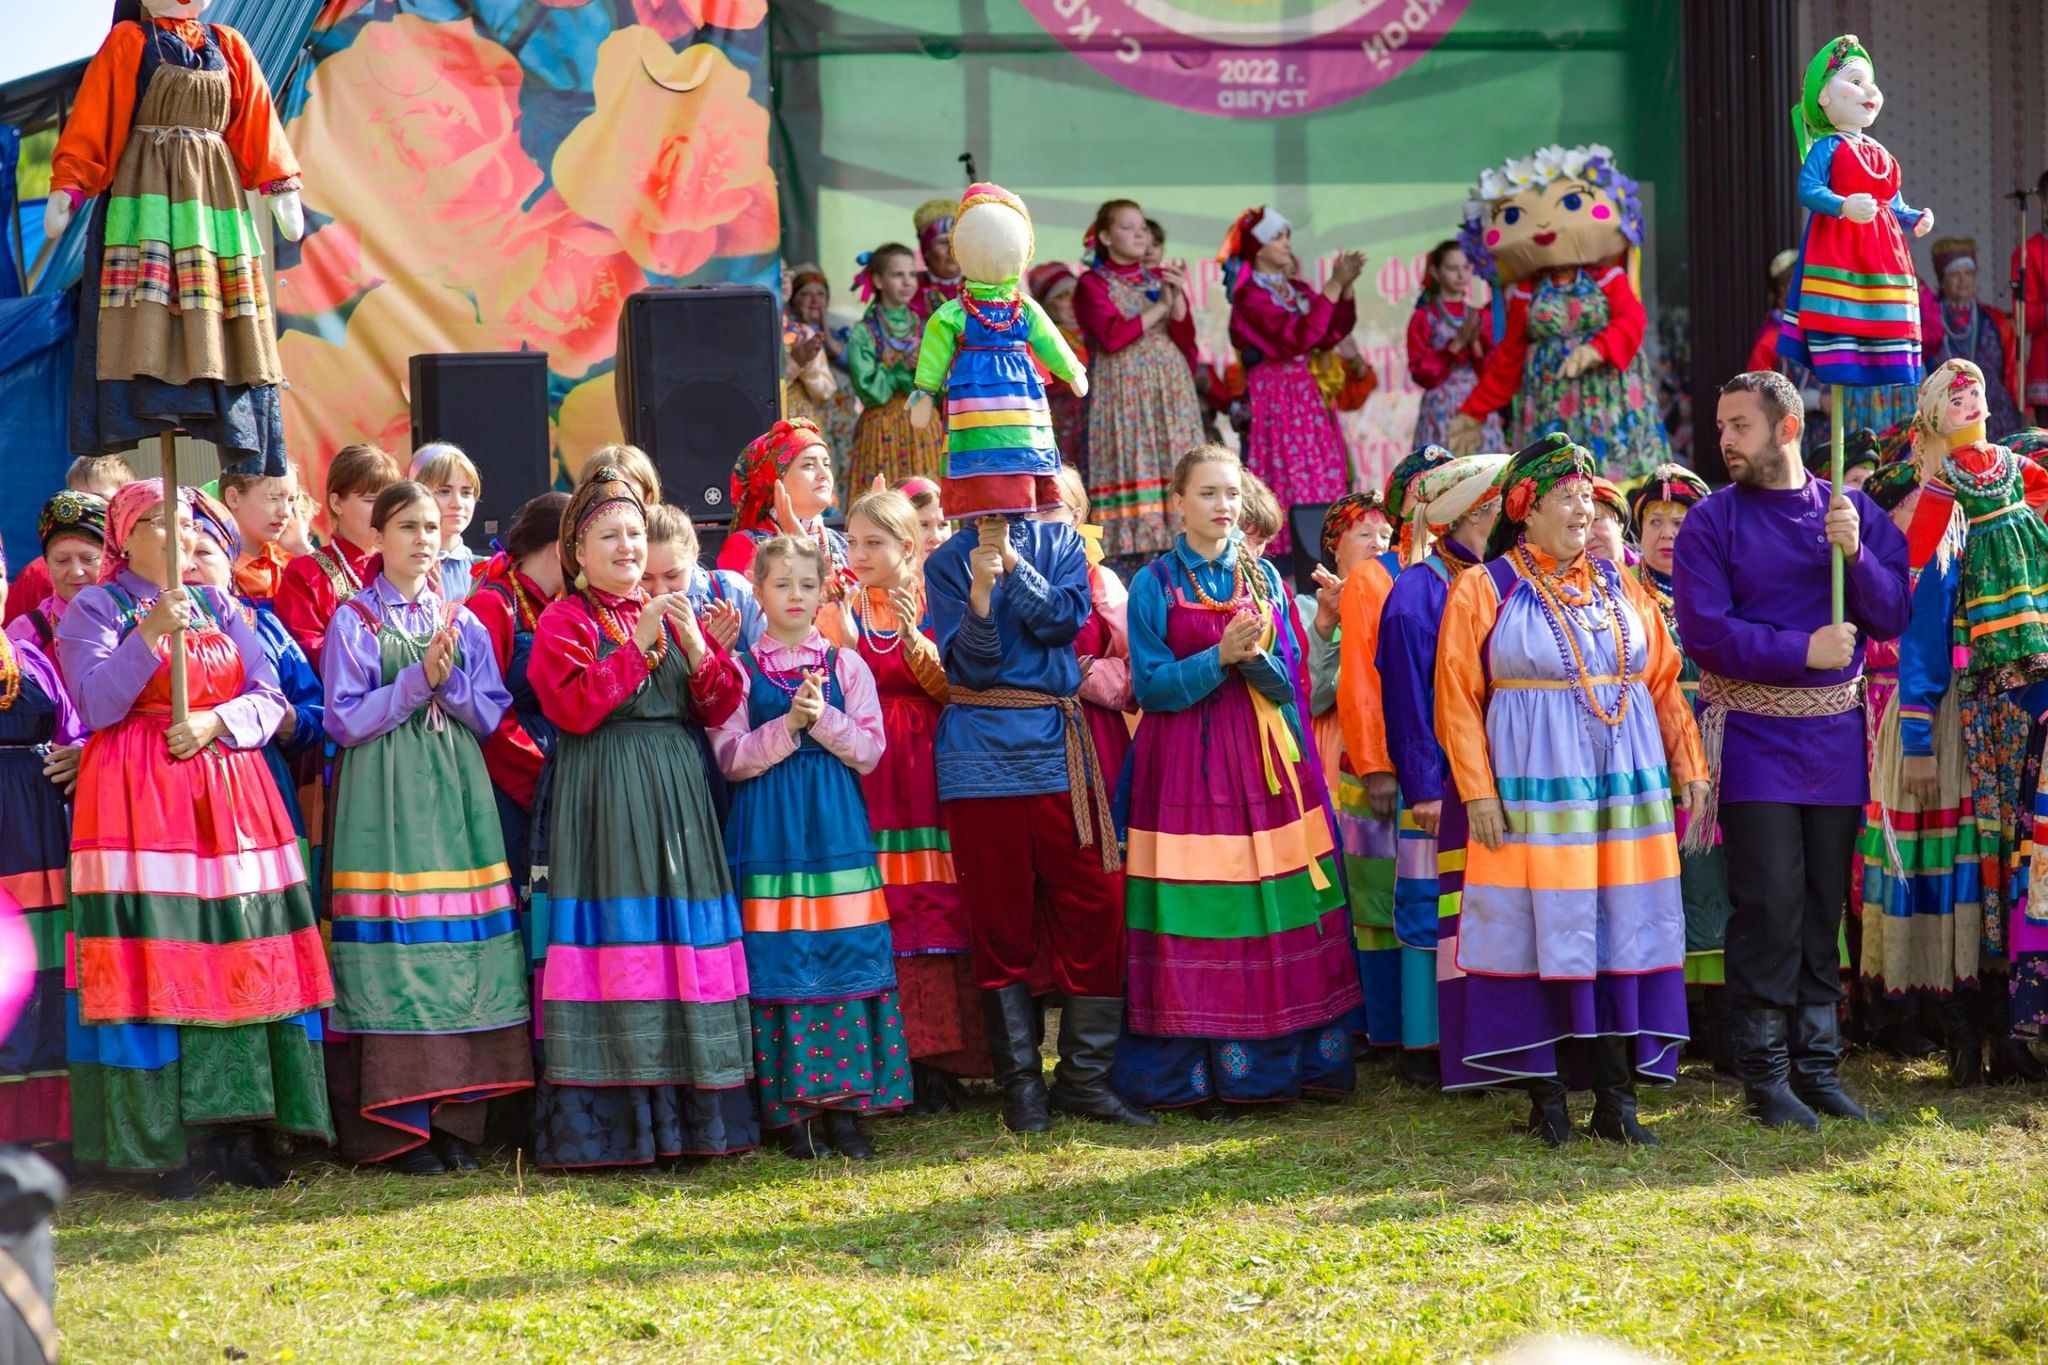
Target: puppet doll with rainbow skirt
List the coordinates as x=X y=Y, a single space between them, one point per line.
x=172 y=123
x=1001 y=457
x=1558 y=234
x=1852 y=310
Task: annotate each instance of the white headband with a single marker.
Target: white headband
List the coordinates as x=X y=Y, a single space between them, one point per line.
x=1960 y=263
x=1270 y=225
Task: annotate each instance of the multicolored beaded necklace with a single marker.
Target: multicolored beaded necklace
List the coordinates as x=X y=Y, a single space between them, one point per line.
x=889 y=341
x=1012 y=305
x=1558 y=614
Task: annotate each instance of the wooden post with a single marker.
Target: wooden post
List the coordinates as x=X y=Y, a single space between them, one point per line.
x=1836 y=565
x=174 y=570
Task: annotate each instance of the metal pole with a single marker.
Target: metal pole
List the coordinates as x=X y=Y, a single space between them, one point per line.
x=174 y=570
x=1836 y=565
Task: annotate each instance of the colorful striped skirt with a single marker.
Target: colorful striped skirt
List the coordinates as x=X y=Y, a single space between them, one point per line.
x=430 y=974
x=1574 y=927
x=1240 y=973
x=644 y=1021
x=198 y=959
x=887 y=445
x=828 y=1033
x=35 y=1089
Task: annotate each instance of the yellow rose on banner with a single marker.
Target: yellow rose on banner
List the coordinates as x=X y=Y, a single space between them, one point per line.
x=674 y=160
x=411 y=136
x=589 y=420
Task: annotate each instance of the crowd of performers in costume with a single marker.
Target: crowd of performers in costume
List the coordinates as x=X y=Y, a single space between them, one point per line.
x=631 y=860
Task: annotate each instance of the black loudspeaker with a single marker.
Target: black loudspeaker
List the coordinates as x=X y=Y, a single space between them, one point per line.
x=700 y=375
x=495 y=406
x=1305 y=528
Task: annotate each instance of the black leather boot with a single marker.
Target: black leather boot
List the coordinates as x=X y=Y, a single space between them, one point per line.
x=1549 y=1117
x=1015 y=1027
x=421 y=1160
x=233 y=1158
x=1763 y=1063
x=1419 y=1067
x=847 y=1139
x=1964 y=1041
x=935 y=1091
x=801 y=1142
x=1614 y=1093
x=1816 y=1053
x=455 y=1153
x=1089 y=1028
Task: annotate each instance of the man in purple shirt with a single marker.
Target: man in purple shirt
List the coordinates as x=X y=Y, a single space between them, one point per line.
x=1782 y=715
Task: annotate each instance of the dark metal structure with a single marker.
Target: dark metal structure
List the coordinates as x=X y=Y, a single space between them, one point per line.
x=1742 y=72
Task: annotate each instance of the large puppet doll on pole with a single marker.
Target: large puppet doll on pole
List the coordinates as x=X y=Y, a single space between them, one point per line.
x=173 y=125
x=1852 y=312
x=1559 y=234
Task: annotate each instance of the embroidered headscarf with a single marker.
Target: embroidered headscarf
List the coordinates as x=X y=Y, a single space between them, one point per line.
x=1893 y=483
x=602 y=490
x=1607 y=494
x=1345 y=513
x=1809 y=121
x=1443 y=493
x=1400 y=498
x=1532 y=473
x=803 y=275
x=1254 y=228
x=933 y=219
x=83 y=515
x=1672 y=483
x=764 y=461
x=212 y=519
x=1050 y=280
x=125 y=510
x=2031 y=442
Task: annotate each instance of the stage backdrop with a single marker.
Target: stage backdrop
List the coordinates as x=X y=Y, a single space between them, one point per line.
x=499 y=175
x=1365 y=121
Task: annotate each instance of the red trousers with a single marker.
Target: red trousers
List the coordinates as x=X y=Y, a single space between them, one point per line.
x=1025 y=878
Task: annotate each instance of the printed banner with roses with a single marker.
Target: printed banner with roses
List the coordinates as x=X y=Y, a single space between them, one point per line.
x=500 y=175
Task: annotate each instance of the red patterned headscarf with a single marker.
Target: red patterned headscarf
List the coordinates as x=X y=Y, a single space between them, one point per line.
x=1345 y=513
x=764 y=461
x=125 y=510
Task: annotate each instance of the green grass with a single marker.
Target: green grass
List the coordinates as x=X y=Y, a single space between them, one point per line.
x=1400 y=1226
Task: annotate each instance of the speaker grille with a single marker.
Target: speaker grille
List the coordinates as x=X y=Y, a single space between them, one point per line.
x=702 y=373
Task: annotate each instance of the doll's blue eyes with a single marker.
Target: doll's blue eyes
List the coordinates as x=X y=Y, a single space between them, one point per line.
x=1574 y=202
x=1511 y=216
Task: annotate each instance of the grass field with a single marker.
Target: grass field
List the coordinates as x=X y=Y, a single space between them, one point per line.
x=1400 y=1226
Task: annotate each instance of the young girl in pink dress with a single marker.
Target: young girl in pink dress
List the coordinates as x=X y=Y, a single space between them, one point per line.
x=1276 y=320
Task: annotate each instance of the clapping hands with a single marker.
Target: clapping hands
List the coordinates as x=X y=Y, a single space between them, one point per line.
x=1241 y=638
x=440 y=660
x=808 y=704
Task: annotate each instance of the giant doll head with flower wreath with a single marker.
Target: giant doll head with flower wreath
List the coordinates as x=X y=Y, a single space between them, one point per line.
x=1001 y=457
x=1558 y=233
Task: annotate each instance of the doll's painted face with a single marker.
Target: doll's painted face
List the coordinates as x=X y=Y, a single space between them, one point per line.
x=1851 y=98
x=1567 y=222
x=1963 y=404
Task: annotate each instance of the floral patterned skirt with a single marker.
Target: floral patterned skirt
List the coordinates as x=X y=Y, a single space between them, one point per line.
x=1294 y=444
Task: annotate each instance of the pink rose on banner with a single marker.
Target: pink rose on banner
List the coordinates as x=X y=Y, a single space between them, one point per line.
x=674 y=160
x=674 y=19
x=562 y=285
x=411 y=136
x=329 y=273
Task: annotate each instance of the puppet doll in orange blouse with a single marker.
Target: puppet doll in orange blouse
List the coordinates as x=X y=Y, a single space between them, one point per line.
x=172 y=123
x=1558 y=233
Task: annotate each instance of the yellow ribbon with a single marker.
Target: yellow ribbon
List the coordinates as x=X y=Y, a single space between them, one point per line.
x=1275 y=733
x=1091 y=543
